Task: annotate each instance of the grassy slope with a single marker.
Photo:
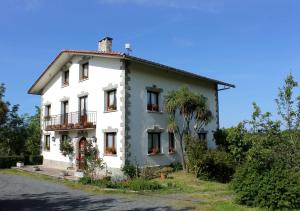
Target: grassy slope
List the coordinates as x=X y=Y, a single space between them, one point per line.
x=183 y=191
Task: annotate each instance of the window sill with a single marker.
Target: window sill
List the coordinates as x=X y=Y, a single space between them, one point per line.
x=155 y=112
x=111 y=155
x=64 y=85
x=83 y=79
x=157 y=154
x=110 y=111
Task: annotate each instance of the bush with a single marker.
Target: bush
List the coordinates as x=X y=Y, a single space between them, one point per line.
x=9 y=161
x=85 y=180
x=216 y=165
x=130 y=170
x=176 y=166
x=140 y=184
x=33 y=160
x=270 y=176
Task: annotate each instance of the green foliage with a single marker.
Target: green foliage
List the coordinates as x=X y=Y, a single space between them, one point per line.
x=184 y=108
x=9 y=161
x=176 y=166
x=195 y=149
x=136 y=184
x=287 y=108
x=66 y=148
x=220 y=136
x=270 y=176
x=93 y=163
x=130 y=170
x=33 y=139
x=33 y=159
x=216 y=165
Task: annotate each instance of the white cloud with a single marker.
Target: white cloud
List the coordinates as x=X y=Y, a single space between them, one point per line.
x=212 y=6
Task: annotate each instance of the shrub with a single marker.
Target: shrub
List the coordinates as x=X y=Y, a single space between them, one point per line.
x=176 y=166
x=140 y=184
x=216 y=165
x=130 y=170
x=33 y=160
x=85 y=180
x=270 y=176
x=9 y=161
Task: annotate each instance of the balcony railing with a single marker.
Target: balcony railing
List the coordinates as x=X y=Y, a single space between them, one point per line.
x=71 y=121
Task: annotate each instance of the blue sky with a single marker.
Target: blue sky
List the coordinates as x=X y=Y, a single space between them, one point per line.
x=253 y=44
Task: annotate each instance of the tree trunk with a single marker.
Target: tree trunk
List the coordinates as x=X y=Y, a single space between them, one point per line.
x=182 y=154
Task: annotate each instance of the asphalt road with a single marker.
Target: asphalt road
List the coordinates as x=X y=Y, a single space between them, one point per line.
x=24 y=193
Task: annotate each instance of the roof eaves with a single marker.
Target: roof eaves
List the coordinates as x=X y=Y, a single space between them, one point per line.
x=178 y=70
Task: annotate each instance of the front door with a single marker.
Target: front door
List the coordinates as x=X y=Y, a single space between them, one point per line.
x=82 y=151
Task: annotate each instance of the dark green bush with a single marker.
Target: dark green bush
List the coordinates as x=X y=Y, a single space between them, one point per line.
x=33 y=160
x=216 y=165
x=9 y=161
x=270 y=176
x=176 y=166
x=85 y=180
x=130 y=170
x=140 y=184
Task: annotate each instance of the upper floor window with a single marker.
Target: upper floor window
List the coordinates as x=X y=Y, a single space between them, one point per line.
x=47 y=143
x=111 y=100
x=66 y=78
x=47 y=111
x=153 y=143
x=171 y=142
x=152 y=101
x=110 y=143
x=84 y=71
x=64 y=112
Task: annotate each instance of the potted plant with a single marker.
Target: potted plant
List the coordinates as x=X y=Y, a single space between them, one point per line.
x=110 y=151
x=112 y=107
x=154 y=151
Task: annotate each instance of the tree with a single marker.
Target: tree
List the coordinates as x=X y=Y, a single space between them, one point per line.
x=3 y=105
x=188 y=112
x=93 y=163
x=34 y=133
x=289 y=112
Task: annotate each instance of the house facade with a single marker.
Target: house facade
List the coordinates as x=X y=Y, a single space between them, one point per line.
x=115 y=101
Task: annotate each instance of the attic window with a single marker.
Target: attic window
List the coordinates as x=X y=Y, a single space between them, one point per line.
x=84 y=71
x=66 y=78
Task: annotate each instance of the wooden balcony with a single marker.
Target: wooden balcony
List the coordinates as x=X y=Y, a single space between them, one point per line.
x=71 y=121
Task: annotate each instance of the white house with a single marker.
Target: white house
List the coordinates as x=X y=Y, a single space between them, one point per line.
x=116 y=101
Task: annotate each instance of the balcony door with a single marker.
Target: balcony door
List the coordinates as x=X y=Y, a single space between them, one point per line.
x=83 y=110
x=65 y=111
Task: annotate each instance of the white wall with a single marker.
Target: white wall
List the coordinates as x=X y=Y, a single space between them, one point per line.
x=102 y=72
x=140 y=119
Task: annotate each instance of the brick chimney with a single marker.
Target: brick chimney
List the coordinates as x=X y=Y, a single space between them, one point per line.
x=105 y=45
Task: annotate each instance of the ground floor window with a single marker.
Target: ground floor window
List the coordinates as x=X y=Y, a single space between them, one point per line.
x=171 y=142
x=153 y=143
x=202 y=136
x=110 y=144
x=47 y=143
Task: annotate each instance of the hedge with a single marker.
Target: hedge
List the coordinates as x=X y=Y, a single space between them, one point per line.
x=9 y=161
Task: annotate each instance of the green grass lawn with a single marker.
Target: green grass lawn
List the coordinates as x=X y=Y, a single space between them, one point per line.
x=181 y=190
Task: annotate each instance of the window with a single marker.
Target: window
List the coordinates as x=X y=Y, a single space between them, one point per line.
x=47 y=143
x=64 y=111
x=64 y=138
x=66 y=78
x=83 y=110
x=84 y=71
x=110 y=144
x=202 y=136
x=153 y=143
x=111 y=100
x=152 y=101
x=171 y=142
x=47 y=111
